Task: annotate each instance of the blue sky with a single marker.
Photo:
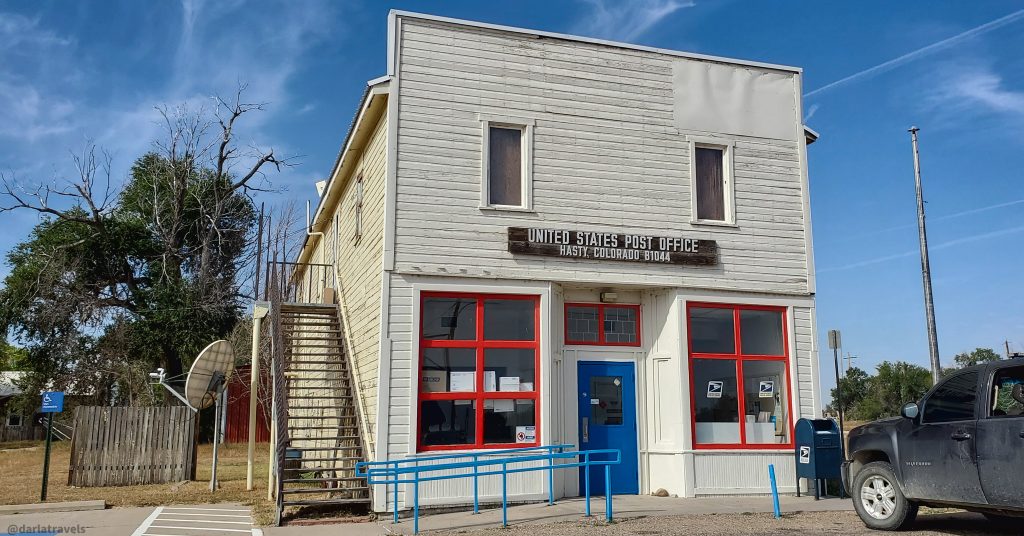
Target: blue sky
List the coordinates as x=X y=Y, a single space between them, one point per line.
x=95 y=70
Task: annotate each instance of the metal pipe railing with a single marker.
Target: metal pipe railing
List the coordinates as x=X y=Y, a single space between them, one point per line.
x=395 y=472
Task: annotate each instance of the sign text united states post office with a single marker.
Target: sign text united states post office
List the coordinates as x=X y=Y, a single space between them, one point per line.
x=612 y=246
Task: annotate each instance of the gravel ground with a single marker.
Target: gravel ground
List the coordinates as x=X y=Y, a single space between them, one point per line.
x=721 y=524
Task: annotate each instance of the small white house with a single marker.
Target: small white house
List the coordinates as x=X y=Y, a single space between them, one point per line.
x=543 y=239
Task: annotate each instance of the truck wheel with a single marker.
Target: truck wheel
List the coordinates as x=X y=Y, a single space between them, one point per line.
x=878 y=499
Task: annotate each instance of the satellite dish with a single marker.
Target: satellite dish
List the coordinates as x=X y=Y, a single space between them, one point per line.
x=208 y=373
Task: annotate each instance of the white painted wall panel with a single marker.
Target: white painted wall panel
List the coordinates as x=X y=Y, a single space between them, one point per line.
x=731 y=473
x=609 y=155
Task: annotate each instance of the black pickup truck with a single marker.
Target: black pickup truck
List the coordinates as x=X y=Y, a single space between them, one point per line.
x=961 y=446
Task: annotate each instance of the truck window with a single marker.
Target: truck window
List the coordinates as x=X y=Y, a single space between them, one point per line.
x=1007 y=396
x=953 y=400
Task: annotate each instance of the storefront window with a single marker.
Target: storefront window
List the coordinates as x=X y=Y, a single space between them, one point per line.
x=478 y=383
x=740 y=395
x=602 y=324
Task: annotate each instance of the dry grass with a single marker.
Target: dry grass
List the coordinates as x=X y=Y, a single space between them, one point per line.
x=22 y=469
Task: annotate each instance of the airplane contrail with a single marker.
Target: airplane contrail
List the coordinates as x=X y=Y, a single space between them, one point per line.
x=924 y=51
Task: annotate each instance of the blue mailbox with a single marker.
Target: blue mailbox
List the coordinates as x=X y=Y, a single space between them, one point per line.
x=819 y=452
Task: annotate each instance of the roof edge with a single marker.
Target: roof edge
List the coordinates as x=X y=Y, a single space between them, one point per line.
x=592 y=40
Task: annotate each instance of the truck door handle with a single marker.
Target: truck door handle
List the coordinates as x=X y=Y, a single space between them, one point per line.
x=960 y=436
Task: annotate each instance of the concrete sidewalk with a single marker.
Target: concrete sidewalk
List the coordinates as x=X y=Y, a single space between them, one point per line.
x=112 y=522
x=625 y=506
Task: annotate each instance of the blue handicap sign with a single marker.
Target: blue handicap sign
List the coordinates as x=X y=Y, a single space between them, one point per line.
x=53 y=402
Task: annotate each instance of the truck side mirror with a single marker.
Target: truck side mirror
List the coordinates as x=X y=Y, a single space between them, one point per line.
x=910 y=410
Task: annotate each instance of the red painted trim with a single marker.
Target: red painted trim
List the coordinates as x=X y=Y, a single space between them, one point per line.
x=600 y=322
x=740 y=358
x=480 y=345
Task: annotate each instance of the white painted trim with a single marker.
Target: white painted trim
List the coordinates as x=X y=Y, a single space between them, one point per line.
x=728 y=147
x=380 y=498
x=616 y=44
x=805 y=188
x=525 y=126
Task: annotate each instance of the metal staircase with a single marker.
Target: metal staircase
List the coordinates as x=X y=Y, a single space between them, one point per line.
x=319 y=440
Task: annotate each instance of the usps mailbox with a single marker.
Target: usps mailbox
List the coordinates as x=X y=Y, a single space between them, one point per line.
x=819 y=452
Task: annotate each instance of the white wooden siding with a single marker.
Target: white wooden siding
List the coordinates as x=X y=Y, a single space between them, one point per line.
x=607 y=156
x=358 y=265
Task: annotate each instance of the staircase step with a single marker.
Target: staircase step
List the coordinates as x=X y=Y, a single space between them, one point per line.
x=293 y=362
x=331 y=479
x=325 y=502
x=346 y=397
x=321 y=416
x=294 y=387
x=319 y=469
x=293 y=491
x=322 y=449
x=326 y=438
x=335 y=459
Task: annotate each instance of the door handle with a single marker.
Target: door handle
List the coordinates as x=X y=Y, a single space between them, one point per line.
x=586 y=430
x=960 y=436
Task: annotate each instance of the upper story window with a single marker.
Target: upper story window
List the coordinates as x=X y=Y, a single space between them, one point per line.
x=711 y=181
x=506 y=181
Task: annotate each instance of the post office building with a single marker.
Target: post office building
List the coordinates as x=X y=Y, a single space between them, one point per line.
x=540 y=239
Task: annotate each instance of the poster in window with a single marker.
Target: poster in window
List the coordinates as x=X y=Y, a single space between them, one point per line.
x=767 y=389
x=433 y=381
x=715 y=389
x=526 y=434
x=463 y=381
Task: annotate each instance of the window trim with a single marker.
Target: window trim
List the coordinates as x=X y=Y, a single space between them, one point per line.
x=931 y=393
x=21 y=420
x=740 y=358
x=479 y=344
x=727 y=147
x=600 y=321
x=358 y=209
x=526 y=154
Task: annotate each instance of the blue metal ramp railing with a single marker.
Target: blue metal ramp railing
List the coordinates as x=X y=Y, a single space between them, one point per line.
x=392 y=473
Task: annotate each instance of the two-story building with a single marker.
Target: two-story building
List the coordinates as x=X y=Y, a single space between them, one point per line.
x=542 y=239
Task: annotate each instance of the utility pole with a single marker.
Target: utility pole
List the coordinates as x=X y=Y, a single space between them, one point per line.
x=1007 y=342
x=849 y=362
x=926 y=271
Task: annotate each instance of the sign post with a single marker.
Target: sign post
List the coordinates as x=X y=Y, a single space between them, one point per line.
x=53 y=402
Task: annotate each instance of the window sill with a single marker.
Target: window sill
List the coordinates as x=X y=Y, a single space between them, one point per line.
x=501 y=208
x=714 y=223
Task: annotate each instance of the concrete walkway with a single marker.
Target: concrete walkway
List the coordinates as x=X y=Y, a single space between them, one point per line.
x=625 y=506
x=113 y=522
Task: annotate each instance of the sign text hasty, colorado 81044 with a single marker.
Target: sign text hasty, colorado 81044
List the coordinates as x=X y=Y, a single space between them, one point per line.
x=612 y=246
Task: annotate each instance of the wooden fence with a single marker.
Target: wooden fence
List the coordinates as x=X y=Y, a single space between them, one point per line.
x=127 y=446
x=26 y=432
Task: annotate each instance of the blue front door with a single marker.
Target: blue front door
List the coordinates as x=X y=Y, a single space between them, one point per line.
x=607 y=420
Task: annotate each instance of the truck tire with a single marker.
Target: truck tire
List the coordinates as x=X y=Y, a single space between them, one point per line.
x=878 y=499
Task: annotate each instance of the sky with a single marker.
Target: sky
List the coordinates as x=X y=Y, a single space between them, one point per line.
x=73 y=73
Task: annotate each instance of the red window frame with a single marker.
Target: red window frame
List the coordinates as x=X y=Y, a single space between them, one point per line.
x=740 y=358
x=480 y=344
x=600 y=322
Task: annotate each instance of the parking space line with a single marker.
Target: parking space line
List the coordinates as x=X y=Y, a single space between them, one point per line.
x=148 y=521
x=198 y=529
x=207 y=521
x=205 y=515
x=204 y=509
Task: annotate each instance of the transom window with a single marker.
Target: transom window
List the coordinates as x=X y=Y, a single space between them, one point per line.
x=602 y=324
x=479 y=371
x=739 y=376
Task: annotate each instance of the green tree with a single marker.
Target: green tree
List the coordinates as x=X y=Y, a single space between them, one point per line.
x=11 y=357
x=854 y=388
x=893 y=385
x=978 y=356
x=105 y=290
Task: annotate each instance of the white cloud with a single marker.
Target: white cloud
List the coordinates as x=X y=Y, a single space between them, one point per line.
x=626 y=21
x=981 y=87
